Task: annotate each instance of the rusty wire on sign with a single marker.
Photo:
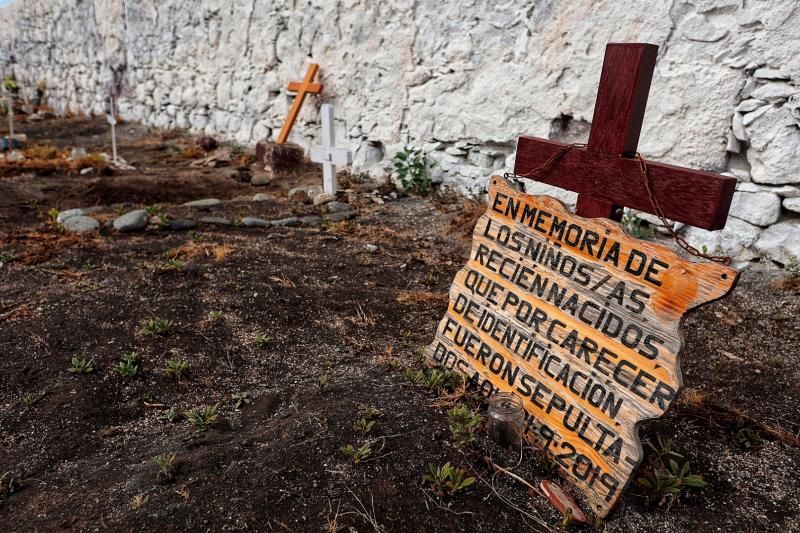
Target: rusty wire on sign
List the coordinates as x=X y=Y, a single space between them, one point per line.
x=553 y=159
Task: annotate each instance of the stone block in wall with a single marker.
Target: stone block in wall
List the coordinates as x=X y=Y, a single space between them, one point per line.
x=758 y=208
x=781 y=242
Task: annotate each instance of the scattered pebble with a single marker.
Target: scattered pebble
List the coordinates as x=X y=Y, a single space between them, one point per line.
x=340 y=216
x=377 y=199
x=336 y=207
x=323 y=198
x=81 y=224
x=260 y=178
x=252 y=222
x=290 y=222
x=87 y=170
x=69 y=213
x=182 y=224
x=133 y=221
x=221 y=221
x=371 y=248
x=261 y=197
x=311 y=220
x=206 y=202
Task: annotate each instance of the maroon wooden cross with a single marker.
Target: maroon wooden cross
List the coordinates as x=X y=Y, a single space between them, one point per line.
x=606 y=174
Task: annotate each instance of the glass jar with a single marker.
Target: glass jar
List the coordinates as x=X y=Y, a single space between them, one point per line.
x=506 y=419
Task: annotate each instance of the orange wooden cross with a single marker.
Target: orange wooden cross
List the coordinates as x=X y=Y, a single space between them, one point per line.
x=302 y=88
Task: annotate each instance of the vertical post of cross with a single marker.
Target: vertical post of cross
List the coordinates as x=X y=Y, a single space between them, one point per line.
x=619 y=111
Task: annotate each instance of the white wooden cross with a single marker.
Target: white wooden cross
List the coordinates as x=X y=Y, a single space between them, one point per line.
x=112 y=119
x=328 y=154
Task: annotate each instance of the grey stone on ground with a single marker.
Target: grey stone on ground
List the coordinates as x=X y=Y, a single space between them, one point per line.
x=253 y=222
x=260 y=178
x=323 y=198
x=261 y=197
x=206 y=202
x=182 y=224
x=87 y=170
x=336 y=207
x=81 y=224
x=289 y=222
x=64 y=215
x=370 y=248
x=133 y=221
x=298 y=195
x=340 y=216
x=311 y=220
x=220 y=221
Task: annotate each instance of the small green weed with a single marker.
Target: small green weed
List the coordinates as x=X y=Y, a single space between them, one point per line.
x=166 y=467
x=127 y=367
x=176 y=367
x=261 y=341
x=356 y=455
x=411 y=167
x=446 y=479
x=745 y=436
x=156 y=326
x=663 y=478
x=215 y=315
x=174 y=264
x=81 y=365
x=363 y=426
x=240 y=400
x=416 y=377
x=464 y=424
x=170 y=415
x=203 y=417
x=323 y=385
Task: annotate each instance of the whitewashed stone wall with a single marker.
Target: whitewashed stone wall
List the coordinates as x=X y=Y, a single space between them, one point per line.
x=460 y=78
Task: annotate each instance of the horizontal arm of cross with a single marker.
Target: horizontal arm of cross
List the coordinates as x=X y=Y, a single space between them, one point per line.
x=697 y=198
x=313 y=88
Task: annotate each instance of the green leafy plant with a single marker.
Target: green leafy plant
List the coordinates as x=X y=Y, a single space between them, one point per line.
x=174 y=264
x=464 y=424
x=176 y=367
x=663 y=478
x=323 y=385
x=446 y=479
x=166 y=466
x=155 y=211
x=203 y=417
x=363 y=426
x=745 y=436
x=637 y=227
x=170 y=415
x=240 y=400
x=665 y=484
x=81 y=365
x=416 y=377
x=356 y=455
x=156 y=326
x=261 y=341
x=215 y=315
x=436 y=379
x=411 y=167
x=127 y=367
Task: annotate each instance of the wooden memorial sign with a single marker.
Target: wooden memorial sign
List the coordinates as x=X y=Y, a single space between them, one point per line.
x=578 y=319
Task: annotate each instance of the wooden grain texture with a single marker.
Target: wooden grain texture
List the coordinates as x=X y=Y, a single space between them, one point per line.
x=694 y=197
x=581 y=322
x=618 y=112
x=302 y=89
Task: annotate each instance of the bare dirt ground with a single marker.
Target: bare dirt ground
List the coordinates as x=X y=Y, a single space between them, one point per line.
x=308 y=327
